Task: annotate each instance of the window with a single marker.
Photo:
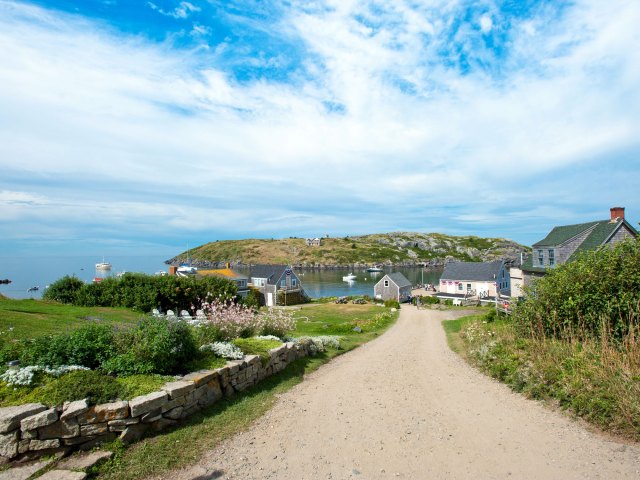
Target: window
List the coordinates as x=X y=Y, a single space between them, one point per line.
x=241 y=283
x=386 y=283
x=552 y=258
x=283 y=282
x=541 y=257
x=460 y=286
x=294 y=282
x=468 y=287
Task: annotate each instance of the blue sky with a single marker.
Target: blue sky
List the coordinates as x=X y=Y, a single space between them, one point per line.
x=147 y=126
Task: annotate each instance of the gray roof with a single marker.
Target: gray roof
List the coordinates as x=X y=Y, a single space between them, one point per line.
x=478 y=271
x=271 y=272
x=399 y=279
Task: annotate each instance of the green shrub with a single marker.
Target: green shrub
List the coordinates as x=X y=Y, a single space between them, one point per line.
x=490 y=316
x=255 y=346
x=89 y=346
x=391 y=304
x=154 y=345
x=597 y=293
x=64 y=290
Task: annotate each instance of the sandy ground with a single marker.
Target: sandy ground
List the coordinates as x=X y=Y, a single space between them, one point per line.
x=405 y=406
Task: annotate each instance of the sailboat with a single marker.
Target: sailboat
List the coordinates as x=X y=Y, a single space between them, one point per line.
x=186 y=269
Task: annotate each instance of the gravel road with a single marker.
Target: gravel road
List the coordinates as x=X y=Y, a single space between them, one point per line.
x=405 y=406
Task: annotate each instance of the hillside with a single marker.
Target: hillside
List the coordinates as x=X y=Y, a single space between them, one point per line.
x=398 y=248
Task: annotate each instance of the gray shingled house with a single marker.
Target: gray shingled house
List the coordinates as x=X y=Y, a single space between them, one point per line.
x=393 y=286
x=277 y=284
x=565 y=243
x=474 y=279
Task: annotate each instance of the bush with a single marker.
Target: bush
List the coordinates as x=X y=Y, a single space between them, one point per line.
x=154 y=345
x=596 y=294
x=89 y=346
x=391 y=303
x=64 y=290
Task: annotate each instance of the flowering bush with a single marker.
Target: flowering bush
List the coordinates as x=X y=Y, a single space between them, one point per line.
x=24 y=376
x=230 y=320
x=276 y=322
x=268 y=337
x=224 y=350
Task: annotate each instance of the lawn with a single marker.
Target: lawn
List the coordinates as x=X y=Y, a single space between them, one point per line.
x=32 y=318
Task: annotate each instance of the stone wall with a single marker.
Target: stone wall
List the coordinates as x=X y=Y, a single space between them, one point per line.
x=34 y=430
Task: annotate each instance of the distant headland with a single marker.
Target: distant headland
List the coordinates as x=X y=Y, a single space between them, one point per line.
x=404 y=249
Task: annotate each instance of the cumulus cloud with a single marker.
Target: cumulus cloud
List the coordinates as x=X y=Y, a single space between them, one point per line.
x=182 y=11
x=380 y=107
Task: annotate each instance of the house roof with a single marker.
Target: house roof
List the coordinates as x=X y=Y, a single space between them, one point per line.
x=224 y=272
x=271 y=272
x=601 y=230
x=399 y=279
x=477 y=271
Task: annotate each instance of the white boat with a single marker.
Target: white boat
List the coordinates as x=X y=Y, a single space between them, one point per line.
x=374 y=269
x=185 y=270
x=103 y=265
x=349 y=278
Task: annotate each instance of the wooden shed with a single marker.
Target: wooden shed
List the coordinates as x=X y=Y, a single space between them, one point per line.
x=393 y=286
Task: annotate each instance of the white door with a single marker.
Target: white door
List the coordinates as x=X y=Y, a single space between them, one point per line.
x=269 y=299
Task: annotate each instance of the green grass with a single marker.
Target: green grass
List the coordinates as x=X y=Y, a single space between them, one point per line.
x=595 y=380
x=32 y=318
x=187 y=443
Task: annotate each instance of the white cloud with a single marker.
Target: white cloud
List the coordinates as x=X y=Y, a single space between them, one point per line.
x=82 y=103
x=486 y=23
x=182 y=11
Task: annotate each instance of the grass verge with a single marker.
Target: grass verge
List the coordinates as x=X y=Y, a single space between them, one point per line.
x=594 y=380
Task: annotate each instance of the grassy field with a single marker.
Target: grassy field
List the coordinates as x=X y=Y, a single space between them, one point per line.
x=186 y=444
x=32 y=318
x=595 y=380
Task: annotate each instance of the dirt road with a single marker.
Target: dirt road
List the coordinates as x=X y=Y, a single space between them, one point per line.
x=405 y=406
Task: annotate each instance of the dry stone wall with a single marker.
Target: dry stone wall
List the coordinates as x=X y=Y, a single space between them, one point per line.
x=33 y=430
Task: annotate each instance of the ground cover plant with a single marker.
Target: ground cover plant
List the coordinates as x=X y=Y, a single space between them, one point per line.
x=574 y=342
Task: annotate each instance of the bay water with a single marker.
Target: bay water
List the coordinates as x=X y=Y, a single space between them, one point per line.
x=40 y=271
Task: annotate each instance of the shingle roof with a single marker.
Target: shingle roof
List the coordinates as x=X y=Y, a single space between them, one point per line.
x=599 y=235
x=478 y=271
x=399 y=279
x=271 y=272
x=559 y=235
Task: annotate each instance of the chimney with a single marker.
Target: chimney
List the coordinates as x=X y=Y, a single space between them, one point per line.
x=617 y=213
x=172 y=270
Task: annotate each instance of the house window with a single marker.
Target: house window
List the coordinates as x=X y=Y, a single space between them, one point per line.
x=468 y=287
x=294 y=282
x=460 y=286
x=552 y=258
x=258 y=282
x=386 y=283
x=541 y=257
x=241 y=283
x=283 y=282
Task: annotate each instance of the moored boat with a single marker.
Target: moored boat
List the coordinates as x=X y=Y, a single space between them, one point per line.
x=349 y=278
x=103 y=265
x=375 y=268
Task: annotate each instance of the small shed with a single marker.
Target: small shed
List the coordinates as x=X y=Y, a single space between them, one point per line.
x=393 y=286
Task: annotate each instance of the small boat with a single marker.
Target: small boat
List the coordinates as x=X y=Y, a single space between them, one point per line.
x=34 y=289
x=103 y=265
x=349 y=278
x=374 y=269
x=185 y=270
x=5 y=281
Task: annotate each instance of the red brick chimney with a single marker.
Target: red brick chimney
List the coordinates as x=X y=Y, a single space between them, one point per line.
x=617 y=213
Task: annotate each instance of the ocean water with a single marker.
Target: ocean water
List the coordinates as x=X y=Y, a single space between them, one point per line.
x=27 y=272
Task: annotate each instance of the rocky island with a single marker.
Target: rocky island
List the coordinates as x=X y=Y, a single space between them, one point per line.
x=387 y=249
